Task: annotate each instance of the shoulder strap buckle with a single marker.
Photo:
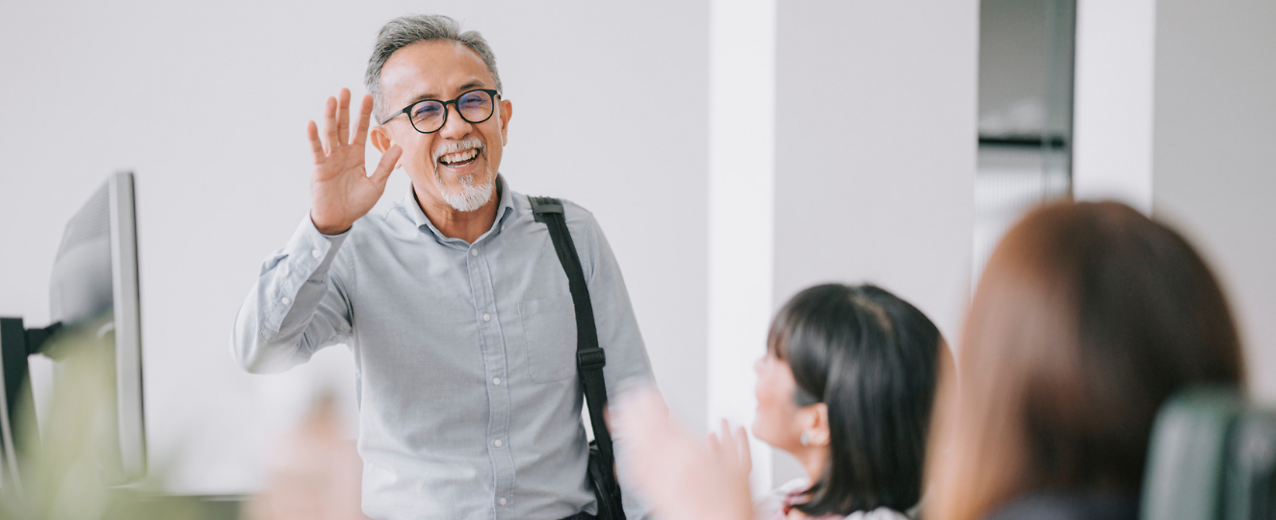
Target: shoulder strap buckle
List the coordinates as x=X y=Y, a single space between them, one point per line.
x=543 y=205
x=591 y=359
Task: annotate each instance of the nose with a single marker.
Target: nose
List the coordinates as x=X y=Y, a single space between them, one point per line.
x=757 y=365
x=455 y=127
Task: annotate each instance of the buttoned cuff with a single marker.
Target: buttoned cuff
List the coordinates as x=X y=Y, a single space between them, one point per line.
x=310 y=252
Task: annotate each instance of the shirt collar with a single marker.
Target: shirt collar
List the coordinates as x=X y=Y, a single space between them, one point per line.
x=503 y=208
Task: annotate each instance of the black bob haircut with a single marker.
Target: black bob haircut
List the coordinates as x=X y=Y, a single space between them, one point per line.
x=872 y=358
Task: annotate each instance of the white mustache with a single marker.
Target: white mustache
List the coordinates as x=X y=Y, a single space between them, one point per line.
x=457 y=146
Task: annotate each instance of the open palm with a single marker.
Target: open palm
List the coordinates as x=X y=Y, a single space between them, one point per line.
x=341 y=190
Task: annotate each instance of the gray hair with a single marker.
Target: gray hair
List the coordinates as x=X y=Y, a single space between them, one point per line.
x=406 y=30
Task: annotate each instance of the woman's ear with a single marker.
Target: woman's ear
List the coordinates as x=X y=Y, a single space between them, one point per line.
x=821 y=433
x=815 y=425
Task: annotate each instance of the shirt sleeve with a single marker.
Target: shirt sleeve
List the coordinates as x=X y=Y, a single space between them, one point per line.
x=298 y=305
x=618 y=335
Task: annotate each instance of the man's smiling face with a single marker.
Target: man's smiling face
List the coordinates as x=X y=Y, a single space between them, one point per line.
x=456 y=165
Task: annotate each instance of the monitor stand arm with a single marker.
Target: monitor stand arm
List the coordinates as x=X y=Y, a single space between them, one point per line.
x=37 y=337
x=17 y=343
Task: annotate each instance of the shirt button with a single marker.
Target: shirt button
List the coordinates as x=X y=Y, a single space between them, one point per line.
x=473 y=252
x=496 y=381
x=315 y=253
x=502 y=501
x=497 y=443
x=284 y=300
x=487 y=317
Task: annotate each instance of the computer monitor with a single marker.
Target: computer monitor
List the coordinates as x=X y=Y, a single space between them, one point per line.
x=94 y=286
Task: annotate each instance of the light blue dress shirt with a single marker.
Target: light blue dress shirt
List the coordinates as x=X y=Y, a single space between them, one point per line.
x=469 y=403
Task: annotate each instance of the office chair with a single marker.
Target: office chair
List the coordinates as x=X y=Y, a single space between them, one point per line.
x=1212 y=456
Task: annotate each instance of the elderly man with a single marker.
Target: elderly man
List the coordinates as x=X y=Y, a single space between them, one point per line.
x=453 y=300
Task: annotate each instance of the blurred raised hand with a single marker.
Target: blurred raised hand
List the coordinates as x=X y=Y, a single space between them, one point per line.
x=684 y=477
x=341 y=190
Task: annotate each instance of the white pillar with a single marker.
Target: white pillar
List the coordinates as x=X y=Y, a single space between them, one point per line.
x=741 y=209
x=1112 y=118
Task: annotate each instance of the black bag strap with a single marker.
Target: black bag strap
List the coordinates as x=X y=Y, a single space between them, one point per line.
x=590 y=359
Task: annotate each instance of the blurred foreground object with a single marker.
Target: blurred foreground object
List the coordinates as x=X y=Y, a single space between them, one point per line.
x=66 y=470
x=1212 y=457
x=314 y=472
x=683 y=477
x=1088 y=318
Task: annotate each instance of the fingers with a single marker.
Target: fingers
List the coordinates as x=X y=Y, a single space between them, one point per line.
x=731 y=447
x=343 y=116
x=742 y=443
x=722 y=442
x=365 y=111
x=722 y=446
x=382 y=173
x=330 y=124
x=316 y=145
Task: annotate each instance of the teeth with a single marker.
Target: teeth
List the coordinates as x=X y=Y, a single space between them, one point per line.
x=459 y=156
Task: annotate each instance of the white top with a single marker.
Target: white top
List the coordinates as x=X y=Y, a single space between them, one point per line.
x=771 y=505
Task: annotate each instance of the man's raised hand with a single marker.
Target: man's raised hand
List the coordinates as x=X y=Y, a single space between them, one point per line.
x=341 y=190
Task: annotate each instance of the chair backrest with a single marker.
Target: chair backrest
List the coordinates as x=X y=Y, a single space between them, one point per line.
x=1211 y=457
x=1249 y=487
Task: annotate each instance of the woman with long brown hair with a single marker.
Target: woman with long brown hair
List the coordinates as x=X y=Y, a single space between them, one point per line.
x=1087 y=317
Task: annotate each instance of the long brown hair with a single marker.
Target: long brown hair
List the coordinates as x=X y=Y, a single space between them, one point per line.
x=1087 y=317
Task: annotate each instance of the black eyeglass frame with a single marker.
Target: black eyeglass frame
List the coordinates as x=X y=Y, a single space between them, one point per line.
x=494 y=94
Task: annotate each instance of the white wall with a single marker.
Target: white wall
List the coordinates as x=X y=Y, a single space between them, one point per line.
x=1113 y=110
x=208 y=101
x=1215 y=174
x=208 y=104
x=875 y=152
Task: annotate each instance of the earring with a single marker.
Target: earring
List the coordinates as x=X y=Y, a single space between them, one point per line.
x=806 y=439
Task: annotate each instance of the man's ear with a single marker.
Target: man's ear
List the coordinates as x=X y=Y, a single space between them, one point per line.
x=381 y=139
x=507 y=109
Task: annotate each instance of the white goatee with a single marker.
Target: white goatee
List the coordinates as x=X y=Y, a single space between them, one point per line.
x=469 y=197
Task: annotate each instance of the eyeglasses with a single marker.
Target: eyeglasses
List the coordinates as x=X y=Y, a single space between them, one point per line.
x=429 y=115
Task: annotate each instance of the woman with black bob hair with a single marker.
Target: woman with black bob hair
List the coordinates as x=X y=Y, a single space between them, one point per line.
x=846 y=387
